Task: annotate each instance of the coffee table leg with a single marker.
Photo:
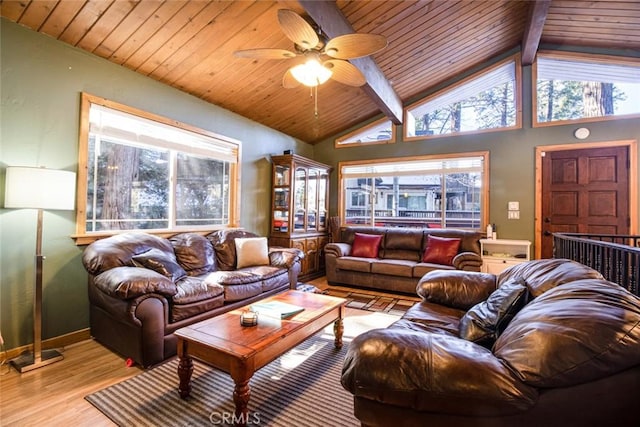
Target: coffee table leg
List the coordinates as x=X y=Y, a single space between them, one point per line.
x=185 y=369
x=338 y=330
x=241 y=395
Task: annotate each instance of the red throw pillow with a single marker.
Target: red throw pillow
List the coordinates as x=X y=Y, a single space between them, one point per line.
x=366 y=245
x=441 y=250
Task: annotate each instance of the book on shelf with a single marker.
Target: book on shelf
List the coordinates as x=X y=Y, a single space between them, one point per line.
x=277 y=309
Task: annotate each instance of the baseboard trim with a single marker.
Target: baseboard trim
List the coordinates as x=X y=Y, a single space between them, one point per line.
x=55 y=342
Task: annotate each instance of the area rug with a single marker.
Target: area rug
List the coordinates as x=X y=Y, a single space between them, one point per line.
x=395 y=305
x=301 y=388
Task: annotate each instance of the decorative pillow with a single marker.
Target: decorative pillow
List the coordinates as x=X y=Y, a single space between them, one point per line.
x=252 y=251
x=441 y=250
x=366 y=245
x=160 y=262
x=485 y=321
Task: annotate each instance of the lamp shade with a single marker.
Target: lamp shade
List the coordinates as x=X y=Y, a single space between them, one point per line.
x=39 y=188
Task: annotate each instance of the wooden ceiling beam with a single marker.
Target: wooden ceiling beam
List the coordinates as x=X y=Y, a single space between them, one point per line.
x=533 y=31
x=333 y=23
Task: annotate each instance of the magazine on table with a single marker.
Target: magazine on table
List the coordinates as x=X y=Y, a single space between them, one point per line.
x=278 y=309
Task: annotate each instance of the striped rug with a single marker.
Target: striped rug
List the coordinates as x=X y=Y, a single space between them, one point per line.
x=301 y=388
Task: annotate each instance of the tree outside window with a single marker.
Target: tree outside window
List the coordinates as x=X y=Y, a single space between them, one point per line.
x=142 y=172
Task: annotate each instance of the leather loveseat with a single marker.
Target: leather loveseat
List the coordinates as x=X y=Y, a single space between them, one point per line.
x=547 y=342
x=142 y=287
x=399 y=257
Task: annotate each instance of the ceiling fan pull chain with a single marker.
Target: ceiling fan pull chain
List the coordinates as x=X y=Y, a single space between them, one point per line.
x=315 y=100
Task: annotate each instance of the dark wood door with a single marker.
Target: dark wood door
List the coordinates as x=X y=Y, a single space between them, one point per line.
x=584 y=191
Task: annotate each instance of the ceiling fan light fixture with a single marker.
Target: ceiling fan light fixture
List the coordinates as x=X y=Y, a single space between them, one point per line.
x=311 y=73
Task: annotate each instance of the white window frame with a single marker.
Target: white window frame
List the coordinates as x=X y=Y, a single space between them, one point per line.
x=363 y=135
x=598 y=65
x=467 y=88
x=407 y=166
x=160 y=133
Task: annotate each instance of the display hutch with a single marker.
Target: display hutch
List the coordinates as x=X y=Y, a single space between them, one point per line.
x=299 y=211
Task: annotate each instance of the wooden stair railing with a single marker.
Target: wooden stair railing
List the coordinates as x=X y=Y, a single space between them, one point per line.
x=616 y=257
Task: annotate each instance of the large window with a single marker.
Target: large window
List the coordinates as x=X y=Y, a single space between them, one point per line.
x=430 y=191
x=143 y=172
x=487 y=100
x=578 y=87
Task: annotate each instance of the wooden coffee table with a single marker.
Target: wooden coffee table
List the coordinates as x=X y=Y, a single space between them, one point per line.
x=240 y=351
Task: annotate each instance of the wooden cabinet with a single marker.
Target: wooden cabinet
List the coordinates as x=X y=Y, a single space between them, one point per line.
x=300 y=209
x=500 y=254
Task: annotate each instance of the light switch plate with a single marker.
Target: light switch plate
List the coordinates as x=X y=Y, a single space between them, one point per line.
x=513 y=215
x=514 y=206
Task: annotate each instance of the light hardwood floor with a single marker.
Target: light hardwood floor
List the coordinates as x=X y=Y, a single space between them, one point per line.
x=54 y=395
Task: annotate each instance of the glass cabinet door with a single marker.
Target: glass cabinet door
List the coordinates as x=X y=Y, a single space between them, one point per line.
x=312 y=200
x=322 y=201
x=300 y=199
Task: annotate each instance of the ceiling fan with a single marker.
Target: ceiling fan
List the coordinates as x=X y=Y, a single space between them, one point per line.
x=316 y=59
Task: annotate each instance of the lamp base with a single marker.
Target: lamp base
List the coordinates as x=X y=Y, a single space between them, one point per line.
x=27 y=362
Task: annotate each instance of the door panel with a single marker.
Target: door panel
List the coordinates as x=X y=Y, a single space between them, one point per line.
x=584 y=191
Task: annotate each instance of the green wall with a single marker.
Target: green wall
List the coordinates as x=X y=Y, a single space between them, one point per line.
x=42 y=80
x=511 y=158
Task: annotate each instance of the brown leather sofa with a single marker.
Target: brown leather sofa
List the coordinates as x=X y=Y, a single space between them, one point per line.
x=142 y=287
x=547 y=342
x=400 y=260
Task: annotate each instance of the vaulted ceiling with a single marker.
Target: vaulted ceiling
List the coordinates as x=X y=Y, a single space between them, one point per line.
x=190 y=44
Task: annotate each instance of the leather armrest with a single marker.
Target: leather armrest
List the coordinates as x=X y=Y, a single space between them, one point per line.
x=284 y=257
x=131 y=282
x=469 y=261
x=456 y=288
x=432 y=372
x=337 y=249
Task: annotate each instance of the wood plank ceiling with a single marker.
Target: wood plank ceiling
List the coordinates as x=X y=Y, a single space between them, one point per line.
x=189 y=45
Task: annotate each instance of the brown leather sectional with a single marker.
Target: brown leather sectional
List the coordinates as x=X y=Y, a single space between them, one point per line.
x=398 y=266
x=142 y=287
x=547 y=342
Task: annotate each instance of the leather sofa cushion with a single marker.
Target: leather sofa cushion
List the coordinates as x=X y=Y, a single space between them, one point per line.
x=402 y=244
x=131 y=282
x=441 y=250
x=432 y=318
x=192 y=289
x=160 y=262
x=355 y=264
x=485 y=321
x=421 y=268
x=185 y=311
x=577 y=332
x=545 y=274
x=394 y=267
x=194 y=253
x=242 y=291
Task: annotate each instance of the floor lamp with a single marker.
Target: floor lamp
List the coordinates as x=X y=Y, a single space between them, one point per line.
x=38 y=188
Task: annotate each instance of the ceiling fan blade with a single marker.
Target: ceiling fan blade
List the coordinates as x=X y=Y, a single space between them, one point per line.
x=288 y=81
x=345 y=72
x=297 y=29
x=264 y=53
x=350 y=46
